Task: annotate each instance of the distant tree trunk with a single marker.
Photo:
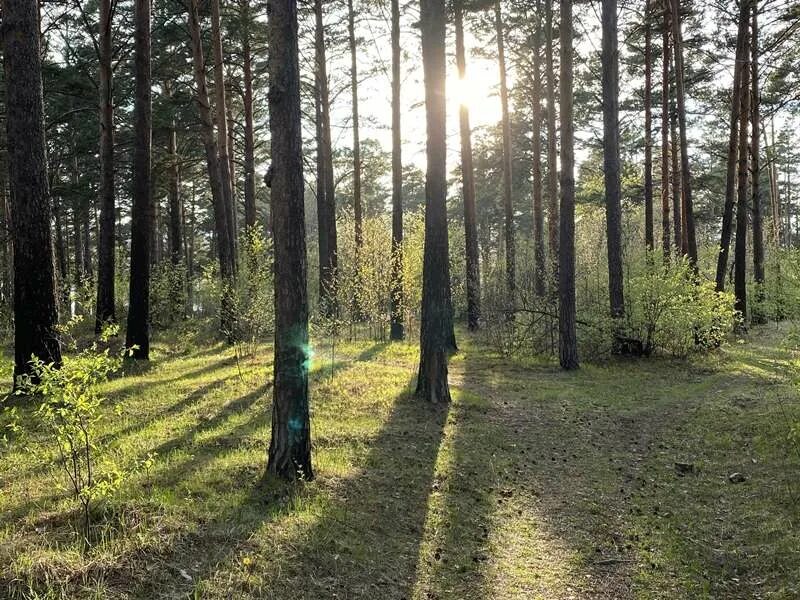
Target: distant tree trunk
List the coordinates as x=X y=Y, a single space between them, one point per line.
x=326 y=199
x=35 y=304
x=611 y=162
x=62 y=279
x=175 y=208
x=774 y=188
x=138 y=332
x=290 y=444
x=677 y=205
x=468 y=183
x=665 y=226
x=567 y=335
x=249 y=135
x=552 y=172
x=758 y=232
x=224 y=246
x=105 y=311
x=538 y=214
x=508 y=208
x=649 y=233
x=740 y=258
x=222 y=129
x=398 y=299
x=77 y=243
x=733 y=136
x=357 y=205
x=436 y=336
x=686 y=176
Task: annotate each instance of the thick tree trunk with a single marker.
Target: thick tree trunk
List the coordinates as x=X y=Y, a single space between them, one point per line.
x=326 y=199
x=758 y=232
x=733 y=136
x=666 y=241
x=538 y=211
x=567 y=334
x=552 y=171
x=468 y=183
x=649 y=233
x=35 y=304
x=105 y=311
x=357 y=204
x=436 y=336
x=397 y=300
x=508 y=208
x=611 y=162
x=138 y=332
x=224 y=245
x=290 y=444
x=740 y=250
x=250 y=216
x=686 y=176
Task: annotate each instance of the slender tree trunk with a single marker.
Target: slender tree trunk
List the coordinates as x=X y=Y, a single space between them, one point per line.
x=665 y=198
x=436 y=335
x=105 y=311
x=223 y=243
x=398 y=299
x=611 y=162
x=175 y=209
x=774 y=188
x=468 y=183
x=249 y=135
x=138 y=333
x=357 y=205
x=540 y=269
x=677 y=204
x=552 y=171
x=758 y=232
x=686 y=176
x=62 y=279
x=326 y=199
x=740 y=258
x=35 y=304
x=290 y=444
x=567 y=335
x=649 y=233
x=733 y=136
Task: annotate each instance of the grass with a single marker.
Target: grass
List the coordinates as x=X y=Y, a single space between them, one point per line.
x=532 y=484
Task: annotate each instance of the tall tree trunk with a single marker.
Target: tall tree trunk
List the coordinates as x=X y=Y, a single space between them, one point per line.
x=62 y=279
x=774 y=188
x=105 y=311
x=677 y=205
x=740 y=258
x=224 y=246
x=436 y=335
x=611 y=163
x=35 y=304
x=138 y=333
x=222 y=129
x=552 y=171
x=538 y=212
x=175 y=208
x=249 y=135
x=398 y=300
x=357 y=204
x=649 y=233
x=733 y=136
x=290 y=444
x=508 y=208
x=758 y=232
x=665 y=225
x=686 y=176
x=567 y=335
x=468 y=183
x=326 y=199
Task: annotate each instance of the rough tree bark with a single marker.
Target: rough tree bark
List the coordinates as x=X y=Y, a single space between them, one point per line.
x=552 y=152
x=742 y=178
x=539 y=259
x=138 y=331
x=758 y=231
x=357 y=205
x=249 y=135
x=666 y=240
x=397 y=300
x=468 y=184
x=35 y=303
x=436 y=335
x=290 y=444
x=567 y=335
x=649 y=233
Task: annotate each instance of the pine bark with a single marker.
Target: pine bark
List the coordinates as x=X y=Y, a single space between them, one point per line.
x=666 y=240
x=35 y=303
x=468 y=184
x=138 y=331
x=567 y=334
x=357 y=204
x=539 y=258
x=649 y=233
x=742 y=173
x=437 y=340
x=552 y=151
x=290 y=445
x=758 y=230
x=397 y=329
x=250 y=216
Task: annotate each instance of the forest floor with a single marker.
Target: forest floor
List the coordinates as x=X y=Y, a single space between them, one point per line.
x=533 y=483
